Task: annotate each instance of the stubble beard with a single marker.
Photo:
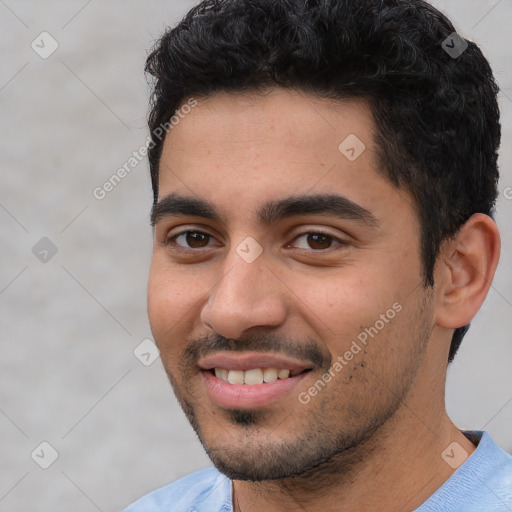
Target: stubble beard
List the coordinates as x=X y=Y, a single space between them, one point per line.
x=321 y=444
x=309 y=454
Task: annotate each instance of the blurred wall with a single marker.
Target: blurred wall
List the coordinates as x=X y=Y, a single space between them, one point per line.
x=74 y=267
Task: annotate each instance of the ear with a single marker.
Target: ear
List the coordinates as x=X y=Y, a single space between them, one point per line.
x=465 y=270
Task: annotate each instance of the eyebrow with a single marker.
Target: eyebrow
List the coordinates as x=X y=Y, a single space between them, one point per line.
x=271 y=211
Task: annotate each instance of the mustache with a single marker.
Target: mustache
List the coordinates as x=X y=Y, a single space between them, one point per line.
x=306 y=349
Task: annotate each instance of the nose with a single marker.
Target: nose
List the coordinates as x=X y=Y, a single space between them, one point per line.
x=247 y=295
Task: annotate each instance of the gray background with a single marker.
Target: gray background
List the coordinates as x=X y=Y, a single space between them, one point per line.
x=69 y=326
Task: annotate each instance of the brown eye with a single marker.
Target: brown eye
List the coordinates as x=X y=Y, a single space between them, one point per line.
x=319 y=241
x=192 y=239
x=316 y=241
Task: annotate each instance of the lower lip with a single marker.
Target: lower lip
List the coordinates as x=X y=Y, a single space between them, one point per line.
x=237 y=396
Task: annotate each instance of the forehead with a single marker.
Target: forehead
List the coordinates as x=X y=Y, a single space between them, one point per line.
x=236 y=149
x=227 y=119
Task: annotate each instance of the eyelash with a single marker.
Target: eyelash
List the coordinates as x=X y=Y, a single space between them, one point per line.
x=171 y=240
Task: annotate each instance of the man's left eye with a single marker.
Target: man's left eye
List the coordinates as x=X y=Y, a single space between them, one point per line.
x=317 y=241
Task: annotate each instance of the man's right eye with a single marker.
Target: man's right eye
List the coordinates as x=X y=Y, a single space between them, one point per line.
x=189 y=239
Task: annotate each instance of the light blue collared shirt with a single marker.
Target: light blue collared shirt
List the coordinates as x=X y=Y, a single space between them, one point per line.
x=483 y=483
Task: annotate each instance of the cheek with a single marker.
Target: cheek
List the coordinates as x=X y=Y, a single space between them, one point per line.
x=174 y=300
x=364 y=308
x=166 y=302
x=346 y=300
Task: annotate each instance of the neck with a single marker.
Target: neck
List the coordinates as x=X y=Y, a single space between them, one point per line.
x=397 y=473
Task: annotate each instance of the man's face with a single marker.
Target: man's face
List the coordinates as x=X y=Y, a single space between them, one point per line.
x=330 y=290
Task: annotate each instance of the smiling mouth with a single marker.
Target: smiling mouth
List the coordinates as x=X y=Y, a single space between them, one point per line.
x=255 y=376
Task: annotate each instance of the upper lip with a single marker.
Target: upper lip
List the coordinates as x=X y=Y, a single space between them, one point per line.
x=249 y=361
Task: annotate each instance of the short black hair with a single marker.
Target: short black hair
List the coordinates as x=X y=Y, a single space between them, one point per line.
x=436 y=114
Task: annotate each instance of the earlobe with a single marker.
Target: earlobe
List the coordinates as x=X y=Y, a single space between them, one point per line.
x=466 y=267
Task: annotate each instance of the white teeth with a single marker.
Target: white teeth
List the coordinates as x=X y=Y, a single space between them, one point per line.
x=221 y=373
x=251 y=377
x=270 y=375
x=236 y=377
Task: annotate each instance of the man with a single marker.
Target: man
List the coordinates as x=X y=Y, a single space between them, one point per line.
x=323 y=238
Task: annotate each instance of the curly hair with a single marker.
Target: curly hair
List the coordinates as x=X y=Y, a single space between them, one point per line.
x=437 y=117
